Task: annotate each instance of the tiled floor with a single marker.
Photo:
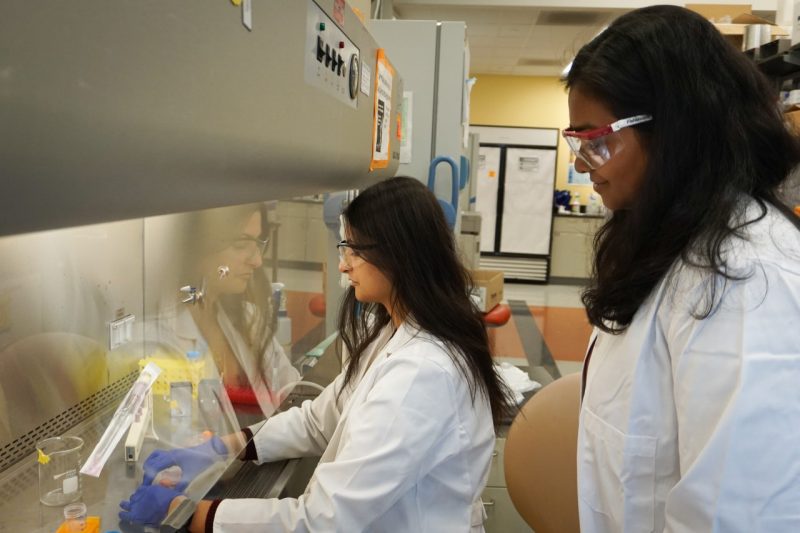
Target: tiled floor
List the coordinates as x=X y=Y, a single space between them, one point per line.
x=560 y=322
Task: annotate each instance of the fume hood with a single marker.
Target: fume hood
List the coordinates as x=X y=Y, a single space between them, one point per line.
x=146 y=149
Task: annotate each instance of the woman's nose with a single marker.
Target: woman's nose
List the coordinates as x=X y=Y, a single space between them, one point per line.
x=343 y=267
x=581 y=166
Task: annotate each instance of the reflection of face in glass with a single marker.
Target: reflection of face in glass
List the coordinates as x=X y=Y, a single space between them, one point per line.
x=242 y=256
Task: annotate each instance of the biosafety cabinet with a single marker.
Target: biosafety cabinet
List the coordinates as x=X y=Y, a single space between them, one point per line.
x=169 y=169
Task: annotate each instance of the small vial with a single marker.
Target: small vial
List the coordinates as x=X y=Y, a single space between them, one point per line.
x=75 y=517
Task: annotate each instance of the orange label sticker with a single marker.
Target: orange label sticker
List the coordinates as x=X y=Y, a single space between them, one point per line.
x=399 y=126
x=382 y=112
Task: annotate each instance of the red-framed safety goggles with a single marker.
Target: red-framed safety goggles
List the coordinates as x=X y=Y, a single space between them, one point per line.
x=595 y=147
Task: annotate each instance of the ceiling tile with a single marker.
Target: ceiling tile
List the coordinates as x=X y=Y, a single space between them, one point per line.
x=503 y=42
x=483 y=30
x=515 y=30
x=495 y=51
x=502 y=39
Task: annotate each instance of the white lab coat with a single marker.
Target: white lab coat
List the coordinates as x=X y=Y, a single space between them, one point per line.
x=693 y=426
x=404 y=449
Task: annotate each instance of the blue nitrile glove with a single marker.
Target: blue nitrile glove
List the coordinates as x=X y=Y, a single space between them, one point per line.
x=148 y=504
x=192 y=461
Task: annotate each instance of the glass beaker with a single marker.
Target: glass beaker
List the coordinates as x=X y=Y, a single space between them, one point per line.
x=59 y=466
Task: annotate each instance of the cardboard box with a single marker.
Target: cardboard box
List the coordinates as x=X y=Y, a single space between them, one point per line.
x=732 y=20
x=487 y=289
x=793 y=119
x=724 y=13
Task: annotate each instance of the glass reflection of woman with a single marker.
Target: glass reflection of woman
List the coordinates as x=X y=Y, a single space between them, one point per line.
x=234 y=322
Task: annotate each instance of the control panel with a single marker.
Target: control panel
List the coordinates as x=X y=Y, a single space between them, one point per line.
x=332 y=61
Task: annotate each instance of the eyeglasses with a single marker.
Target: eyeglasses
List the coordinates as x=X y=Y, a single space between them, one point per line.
x=250 y=247
x=592 y=146
x=349 y=253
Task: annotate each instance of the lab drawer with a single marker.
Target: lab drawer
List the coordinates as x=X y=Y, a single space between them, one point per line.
x=497 y=477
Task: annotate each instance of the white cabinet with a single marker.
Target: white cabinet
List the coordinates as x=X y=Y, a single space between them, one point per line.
x=571 y=254
x=501 y=516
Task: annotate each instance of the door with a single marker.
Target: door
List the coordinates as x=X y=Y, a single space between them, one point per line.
x=486 y=194
x=527 y=200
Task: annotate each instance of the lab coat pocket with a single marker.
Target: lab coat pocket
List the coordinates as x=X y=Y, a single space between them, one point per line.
x=617 y=474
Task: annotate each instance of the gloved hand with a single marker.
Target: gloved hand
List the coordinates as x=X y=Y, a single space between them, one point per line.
x=191 y=461
x=148 y=504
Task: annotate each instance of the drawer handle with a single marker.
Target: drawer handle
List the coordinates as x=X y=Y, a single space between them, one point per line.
x=494 y=454
x=490 y=503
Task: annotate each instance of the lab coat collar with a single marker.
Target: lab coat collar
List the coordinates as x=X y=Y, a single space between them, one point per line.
x=388 y=341
x=406 y=332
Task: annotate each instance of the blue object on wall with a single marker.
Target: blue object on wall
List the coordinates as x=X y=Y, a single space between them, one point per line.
x=451 y=207
x=464 y=172
x=332 y=207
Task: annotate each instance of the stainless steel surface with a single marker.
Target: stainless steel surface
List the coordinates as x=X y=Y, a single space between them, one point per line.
x=60 y=378
x=116 y=110
x=19 y=506
x=21 y=511
x=58 y=291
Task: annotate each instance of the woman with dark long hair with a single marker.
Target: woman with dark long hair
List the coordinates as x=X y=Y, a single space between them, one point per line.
x=415 y=252
x=406 y=431
x=690 y=418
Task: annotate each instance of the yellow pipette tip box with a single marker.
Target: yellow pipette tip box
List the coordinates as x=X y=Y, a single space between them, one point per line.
x=175 y=368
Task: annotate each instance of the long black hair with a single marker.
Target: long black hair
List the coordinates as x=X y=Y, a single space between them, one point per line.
x=717 y=138
x=430 y=287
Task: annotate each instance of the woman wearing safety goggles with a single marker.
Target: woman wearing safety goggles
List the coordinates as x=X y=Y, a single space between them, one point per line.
x=689 y=419
x=595 y=147
x=595 y=142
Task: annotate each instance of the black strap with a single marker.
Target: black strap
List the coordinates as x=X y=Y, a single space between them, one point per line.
x=586 y=367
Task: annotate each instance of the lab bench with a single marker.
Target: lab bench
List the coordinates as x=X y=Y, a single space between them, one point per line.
x=501 y=515
x=21 y=510
x=19 y=491
x=571 y=252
